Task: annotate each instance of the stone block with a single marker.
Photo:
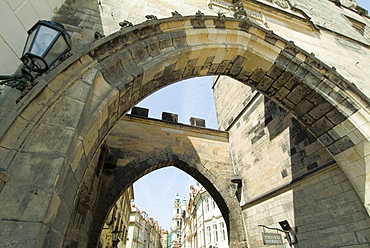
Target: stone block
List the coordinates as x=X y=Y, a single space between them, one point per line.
x=24 y=203
x=67 y=186
x=53 y=239
x=321 y=126
x=42 y=168
x=298 y=93
x=66 y=112
x=44 y=137
x=264 y=83
x=303 y=107
x=141 y=112
x=320 y=110
x=283 y=60
x=16 y=134
x=22 y=233
x=197 y=122
x=170 y=117
x=293 y=66
x=179 y=39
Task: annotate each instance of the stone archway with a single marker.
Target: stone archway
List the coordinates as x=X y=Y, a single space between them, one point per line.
x=142 y=145
x=60 y=125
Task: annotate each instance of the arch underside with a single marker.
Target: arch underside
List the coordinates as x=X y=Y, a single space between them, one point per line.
x=143 y=145
x=324 y=102
x=123 y=178
x=116 y=72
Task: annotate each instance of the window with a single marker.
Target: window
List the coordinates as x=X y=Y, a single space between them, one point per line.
x=222 y=230
x=200 y=238
x=178 y=223
x=213 y=204
x=215 y=233
x=209 y=240
x=207 y=204
x=359 y=26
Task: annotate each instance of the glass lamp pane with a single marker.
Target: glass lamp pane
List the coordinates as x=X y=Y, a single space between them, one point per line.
x=43 y=39
x=114 y=236
x=58 y=49
x=29 y=41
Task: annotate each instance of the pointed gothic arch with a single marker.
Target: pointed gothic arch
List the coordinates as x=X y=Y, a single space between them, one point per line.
x=61 y=124
x=159 y=149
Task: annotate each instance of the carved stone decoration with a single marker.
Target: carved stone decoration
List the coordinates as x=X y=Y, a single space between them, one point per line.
x=199 y=14
x=240 y=12
x=221 y=15
x=281 y=3
x=220 y=21
x=351 y=5
x=337 y=2
x=245 y=14
x=220 y=6
x=361 y=11
x=98 y=36
x=125 y=23
x=176 y=14
x=151 y=17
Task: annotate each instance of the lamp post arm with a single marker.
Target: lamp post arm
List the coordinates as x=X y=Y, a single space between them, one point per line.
x=15 y=81
x=271 y=228
x=9 y=77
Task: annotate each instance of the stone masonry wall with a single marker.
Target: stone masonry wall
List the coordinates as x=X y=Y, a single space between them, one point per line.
x=323 y=209
x=270 y=146
x=82 y=19
x=265 y=140
x=142 y=145
x=270 y=150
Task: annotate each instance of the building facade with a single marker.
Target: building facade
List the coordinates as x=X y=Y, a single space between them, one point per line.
x=118 y=220
x=143 y=231
x=177 y=221
x=204 y=226
x=164 y=238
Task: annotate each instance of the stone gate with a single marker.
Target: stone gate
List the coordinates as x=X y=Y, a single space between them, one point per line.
x=142 y=145
x=55 y=135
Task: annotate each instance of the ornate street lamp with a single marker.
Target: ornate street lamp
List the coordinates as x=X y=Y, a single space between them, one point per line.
x=115 y=239
x=46 y=43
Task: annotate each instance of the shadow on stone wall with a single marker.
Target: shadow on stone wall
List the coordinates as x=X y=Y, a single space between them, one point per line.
x=327 y=210
x=141 y=149
x=82 y=20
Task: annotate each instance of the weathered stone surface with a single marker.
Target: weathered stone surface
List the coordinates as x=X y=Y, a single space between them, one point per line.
x=271 y=139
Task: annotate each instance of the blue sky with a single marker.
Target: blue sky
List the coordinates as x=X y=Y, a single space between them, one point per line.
x=364 y=3
x=189 y=98
x=155 y=192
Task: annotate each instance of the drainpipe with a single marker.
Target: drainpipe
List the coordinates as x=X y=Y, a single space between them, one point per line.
x=204 y=227
x=241 y=210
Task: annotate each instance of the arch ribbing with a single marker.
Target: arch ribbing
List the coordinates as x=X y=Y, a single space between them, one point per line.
x=77 y=103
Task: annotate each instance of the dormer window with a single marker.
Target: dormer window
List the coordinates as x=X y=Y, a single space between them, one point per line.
x=359 y=26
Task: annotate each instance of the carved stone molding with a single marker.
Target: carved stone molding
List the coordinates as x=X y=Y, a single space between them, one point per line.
x=281 y=3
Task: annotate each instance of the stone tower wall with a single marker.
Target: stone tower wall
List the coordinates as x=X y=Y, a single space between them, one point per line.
x=301 y=181
x=286 y=173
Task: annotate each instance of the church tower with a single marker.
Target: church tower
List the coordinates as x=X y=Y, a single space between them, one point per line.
x=176 y=222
